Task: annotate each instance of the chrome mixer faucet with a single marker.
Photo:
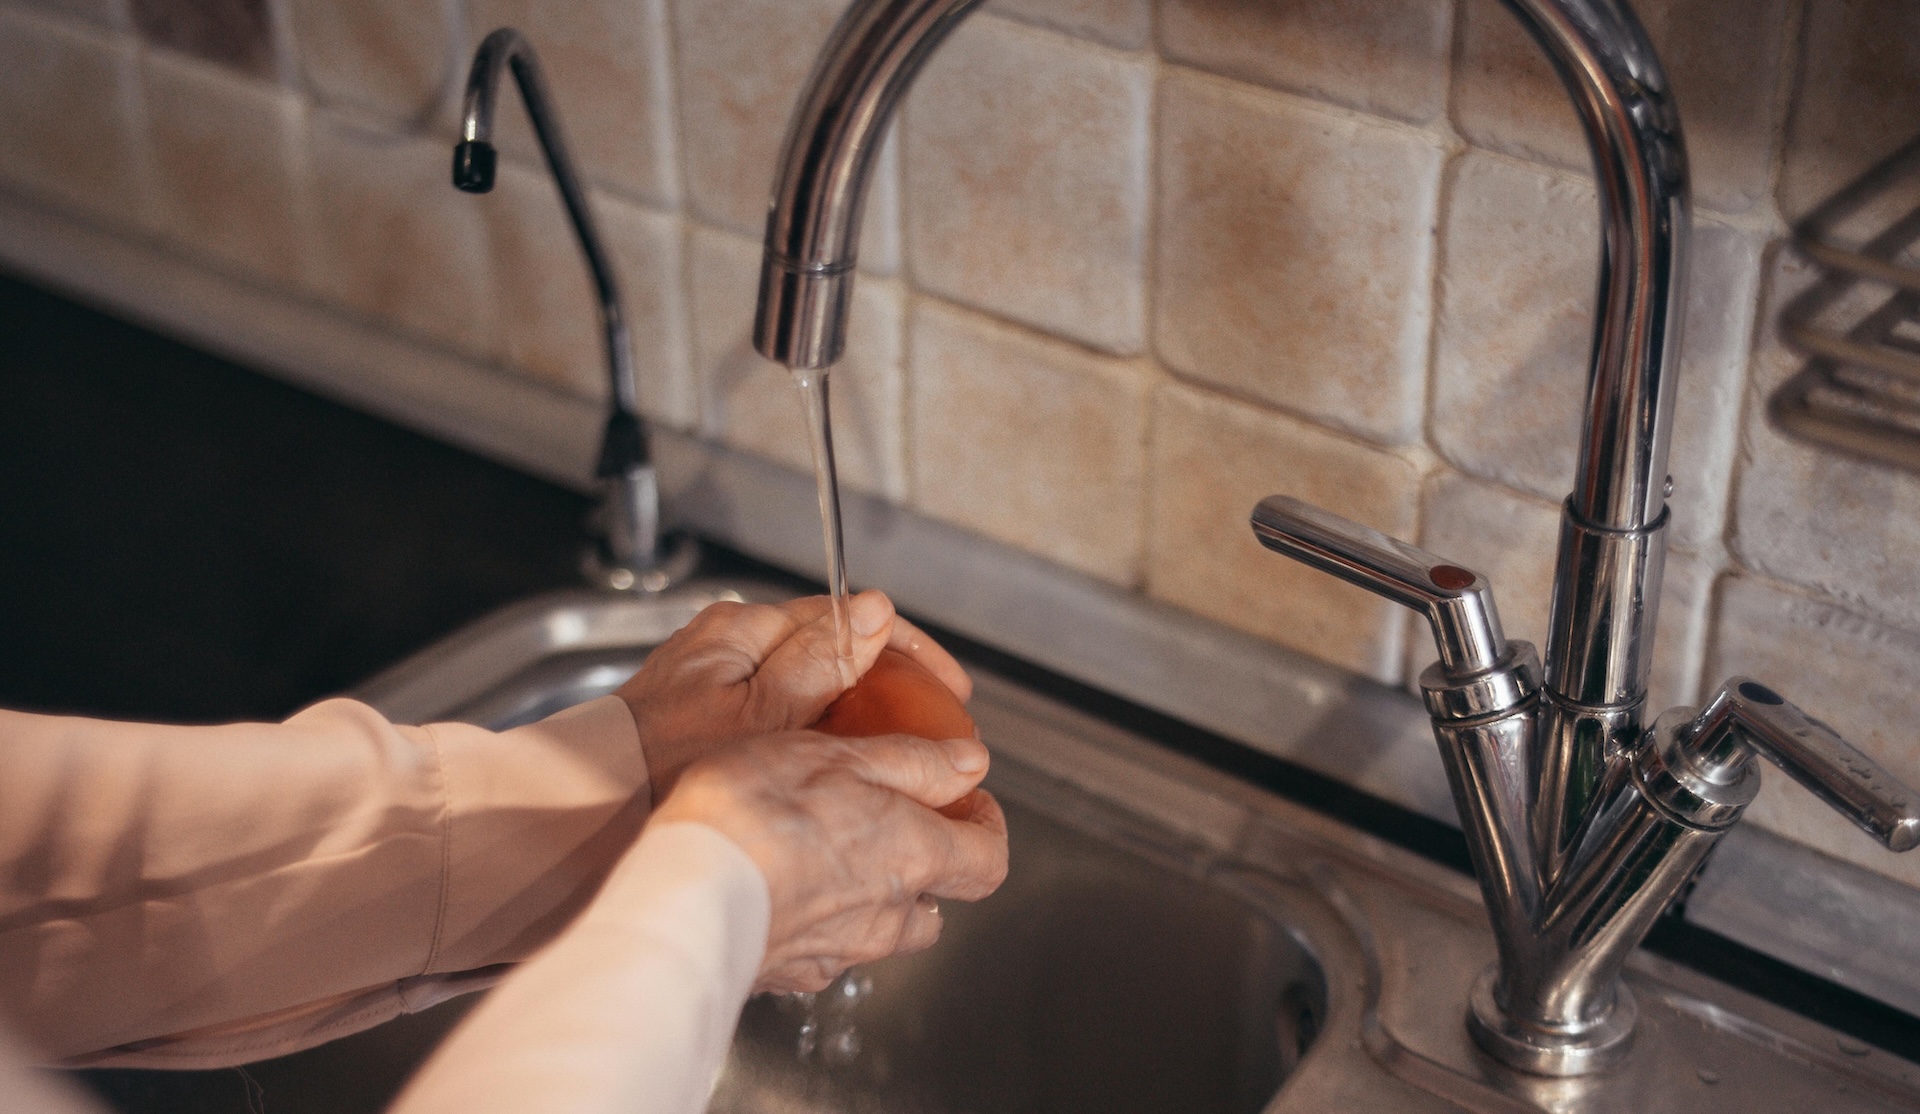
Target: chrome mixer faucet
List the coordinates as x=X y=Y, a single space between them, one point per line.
x=1583 y=825
x=631 y=555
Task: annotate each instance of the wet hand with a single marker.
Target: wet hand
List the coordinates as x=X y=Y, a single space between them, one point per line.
x=858 y=840
x=741 y=670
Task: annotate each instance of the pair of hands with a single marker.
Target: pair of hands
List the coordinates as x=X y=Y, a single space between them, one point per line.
x=857 y=838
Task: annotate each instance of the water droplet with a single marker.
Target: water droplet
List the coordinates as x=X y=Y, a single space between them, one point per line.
x=794 y=1005
x=1851 y=1046
x=808 y=1040
x=1708 y=1076
x=842 y=1046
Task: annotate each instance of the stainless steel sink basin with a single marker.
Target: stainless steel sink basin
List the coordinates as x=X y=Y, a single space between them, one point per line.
x=1107 y=974
x=1097 y=979
x=1169 y=939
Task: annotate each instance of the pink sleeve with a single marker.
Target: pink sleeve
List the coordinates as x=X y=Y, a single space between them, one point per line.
x=198 y=896
x=24 y=1090
x=633 y=1008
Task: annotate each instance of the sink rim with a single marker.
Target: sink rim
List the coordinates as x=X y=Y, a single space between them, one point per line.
x=1305 y=860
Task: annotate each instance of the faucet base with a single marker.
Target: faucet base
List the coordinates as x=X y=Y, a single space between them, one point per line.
x=674 y=560
x=1545 y=1052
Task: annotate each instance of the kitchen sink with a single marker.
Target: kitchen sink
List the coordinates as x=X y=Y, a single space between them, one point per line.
x=1101 y=977
x=1108 y=973
x=1169 y=938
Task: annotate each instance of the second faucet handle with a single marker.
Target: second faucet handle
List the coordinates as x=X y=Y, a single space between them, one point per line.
x=1746 y=717
x=1457 y=601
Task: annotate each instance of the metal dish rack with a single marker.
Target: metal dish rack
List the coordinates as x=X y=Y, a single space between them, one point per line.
x=1860 y=324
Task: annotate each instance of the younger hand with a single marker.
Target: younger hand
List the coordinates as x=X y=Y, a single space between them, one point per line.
x=857 y=839
x=741 y=670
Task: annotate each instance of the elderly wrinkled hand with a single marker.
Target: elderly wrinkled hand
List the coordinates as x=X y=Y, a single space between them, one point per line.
x=858 y=839
x=740 y=670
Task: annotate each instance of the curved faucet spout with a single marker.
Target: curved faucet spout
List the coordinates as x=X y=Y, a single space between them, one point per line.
x=1601 y=54
x=474 y=160
x=631 y=505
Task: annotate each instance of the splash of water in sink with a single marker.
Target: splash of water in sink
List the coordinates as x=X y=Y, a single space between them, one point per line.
x=828 y=1031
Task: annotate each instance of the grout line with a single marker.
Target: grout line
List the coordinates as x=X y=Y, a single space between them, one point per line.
x=909 y=383
x=1035 y=26
x=1434 y=131
x=696 y=414
x=1150 y=341
x=285 y=45
x=1786 y=97
x=1751 y=403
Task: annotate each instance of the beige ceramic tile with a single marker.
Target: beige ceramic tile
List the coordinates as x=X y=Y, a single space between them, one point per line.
x=230 y=168
x=110 y=14
x=1854 y=673
x=1032 y=442
x=1027 y=181
x=1857 y=98
x=1515 y=334
x=606 y=64
x=1122 y=23
x=542 y=293
x=388 y=57
x=1384 y=56
x=648 y=253
x=1294 y=253
x=70 y=122
x=233 y=33
x=1513 y=539
x=741 y=67
x=398 y=242
x=1723 y=56
x=547 y=302
x=1805 y=514
x=1210 y=462
x=1505 y=536
x=1681 y=636
x=753 y=404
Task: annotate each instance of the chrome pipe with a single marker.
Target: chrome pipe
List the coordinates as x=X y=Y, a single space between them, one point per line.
x=474 y=160
x=813 y=224
x=630 y=555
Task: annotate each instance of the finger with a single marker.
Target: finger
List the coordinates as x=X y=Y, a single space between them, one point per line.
x=805 y=609
x=931 y=773
x=809 y=975
x=967 y=807
x=922 y=928
x=733 y=638
x=974 y=859
x=804 y=673
x=918 y=645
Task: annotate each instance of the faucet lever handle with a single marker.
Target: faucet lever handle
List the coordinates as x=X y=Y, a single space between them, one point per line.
x=1747 y=712
x=1457 y=601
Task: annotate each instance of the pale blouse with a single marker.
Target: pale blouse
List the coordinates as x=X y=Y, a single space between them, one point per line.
x=203 y=896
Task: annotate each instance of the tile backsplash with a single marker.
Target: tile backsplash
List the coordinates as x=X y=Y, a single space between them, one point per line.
x=1129 y=266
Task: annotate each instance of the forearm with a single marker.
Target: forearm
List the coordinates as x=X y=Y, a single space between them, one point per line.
x=160 y=881
x=632 y=1008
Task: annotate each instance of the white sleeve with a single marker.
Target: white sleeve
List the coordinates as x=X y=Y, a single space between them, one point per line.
x=200 y=896
x=632 y=1008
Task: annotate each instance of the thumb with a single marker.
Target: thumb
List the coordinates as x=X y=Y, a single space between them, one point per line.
x=806 y=672
x=933 y=773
